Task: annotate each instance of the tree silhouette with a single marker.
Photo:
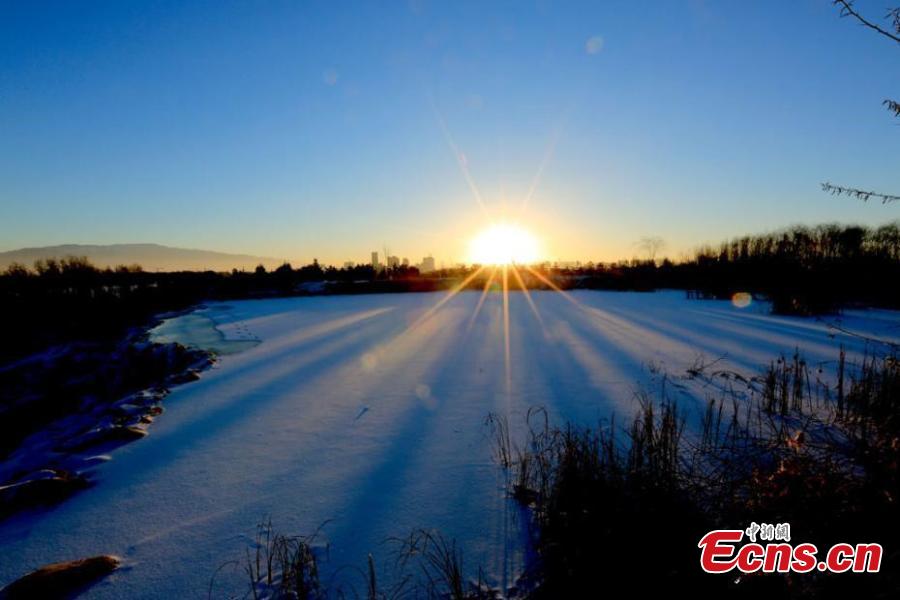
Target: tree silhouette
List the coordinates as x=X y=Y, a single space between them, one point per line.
x=651 y=245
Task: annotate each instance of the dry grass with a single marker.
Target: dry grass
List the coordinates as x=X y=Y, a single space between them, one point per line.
x=631 y=502
x=426 y=565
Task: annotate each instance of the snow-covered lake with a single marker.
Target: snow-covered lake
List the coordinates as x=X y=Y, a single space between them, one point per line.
x=355 y=411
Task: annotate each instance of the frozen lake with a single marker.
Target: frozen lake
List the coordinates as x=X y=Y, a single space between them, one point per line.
x=356 y=411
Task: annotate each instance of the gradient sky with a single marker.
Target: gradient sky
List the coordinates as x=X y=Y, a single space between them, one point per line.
x=325 y=129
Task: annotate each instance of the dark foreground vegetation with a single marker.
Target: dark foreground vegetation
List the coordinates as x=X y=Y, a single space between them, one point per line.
x=423 y=565
x=81 y=399
x=632 y=503
x=83 y=375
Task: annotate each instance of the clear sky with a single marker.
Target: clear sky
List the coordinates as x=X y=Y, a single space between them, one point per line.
x=330 y=129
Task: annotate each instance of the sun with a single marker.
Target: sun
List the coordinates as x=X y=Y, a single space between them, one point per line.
x=503 y=244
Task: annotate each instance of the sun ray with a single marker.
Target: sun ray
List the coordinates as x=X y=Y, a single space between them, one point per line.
x=484 y=293
x=461 y=159
x=529 y=299
x=506 y=345
x=555 y=288
x=446 y=299
x=548 y=155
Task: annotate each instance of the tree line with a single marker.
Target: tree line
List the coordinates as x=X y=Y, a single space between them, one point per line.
x=802 y=270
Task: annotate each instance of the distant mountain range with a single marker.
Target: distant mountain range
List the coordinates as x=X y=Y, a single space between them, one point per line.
x=152 y=257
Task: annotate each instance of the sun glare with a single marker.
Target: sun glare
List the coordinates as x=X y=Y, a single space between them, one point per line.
x=503 y=244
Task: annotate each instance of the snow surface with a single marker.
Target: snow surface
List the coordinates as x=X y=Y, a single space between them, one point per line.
x=354 y=413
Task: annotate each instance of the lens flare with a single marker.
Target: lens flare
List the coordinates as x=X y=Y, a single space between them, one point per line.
x=504 y=244
x=742 y=299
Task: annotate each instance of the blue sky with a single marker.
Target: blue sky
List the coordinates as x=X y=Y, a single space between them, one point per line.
x=322 y=129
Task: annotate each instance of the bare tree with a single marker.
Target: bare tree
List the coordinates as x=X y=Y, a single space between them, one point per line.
x=652 y=246
x=891 y=32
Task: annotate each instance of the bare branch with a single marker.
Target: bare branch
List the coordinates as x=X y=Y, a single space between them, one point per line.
x=863 y=195
x=847 y=10
x=893 y=106
x=894 y=16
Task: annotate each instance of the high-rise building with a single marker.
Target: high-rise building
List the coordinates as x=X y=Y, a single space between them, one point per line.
x=393 y=262
x=427 y=264
x=375 y=262
x=405 y=262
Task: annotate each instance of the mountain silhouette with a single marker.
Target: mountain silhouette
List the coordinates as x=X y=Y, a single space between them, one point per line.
x=152 y=257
